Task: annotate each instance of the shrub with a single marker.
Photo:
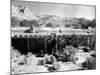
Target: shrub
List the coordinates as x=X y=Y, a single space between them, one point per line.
x=25 y=23
x=90 y=63
x=72 y=58
x=22 y=60
x=15 y=22
x=15 y=53
x=69 y=50
x=85 y=49
x=93 y=54
x=69 y=53
x=49 y=59
x=55 y=67
x=49 y=24
x=29 y=54
x=40 y=62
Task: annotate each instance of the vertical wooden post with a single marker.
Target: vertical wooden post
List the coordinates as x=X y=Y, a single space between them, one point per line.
x=56 y=44
x=45 y=46
x=28 y=47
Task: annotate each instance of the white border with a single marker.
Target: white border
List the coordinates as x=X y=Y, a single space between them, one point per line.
x=5 y=36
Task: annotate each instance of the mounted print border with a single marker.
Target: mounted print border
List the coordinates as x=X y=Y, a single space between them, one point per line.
x=52 y=37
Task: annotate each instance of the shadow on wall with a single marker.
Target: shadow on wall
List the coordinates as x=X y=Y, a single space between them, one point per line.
x=34 y=45
x=25 y=45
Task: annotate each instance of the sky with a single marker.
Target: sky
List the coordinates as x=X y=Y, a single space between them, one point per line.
x=63 y=10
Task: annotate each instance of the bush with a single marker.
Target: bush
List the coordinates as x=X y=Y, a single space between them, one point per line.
x=29 y=54
x=72 y=58
x=85 y=49
x=55 y=67
x=49 y=24
x=69 y=53
x=90 y=63
x=15 y=53
x=69 y=50
x=25 y=23
x=40 y=62
x=93 y=54
x=15 y=22
x=22 y=60
x=49 y=59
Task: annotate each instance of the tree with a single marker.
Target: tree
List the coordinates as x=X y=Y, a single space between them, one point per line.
x=34 y=23
x=93 y=23
x=14 y=22
x=84 y=23
x=25 y=23
x=49 y=24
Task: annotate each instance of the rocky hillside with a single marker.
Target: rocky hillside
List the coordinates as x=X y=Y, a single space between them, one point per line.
x=22 y=12
x=22 y=16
